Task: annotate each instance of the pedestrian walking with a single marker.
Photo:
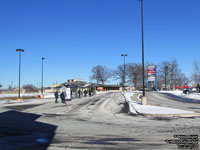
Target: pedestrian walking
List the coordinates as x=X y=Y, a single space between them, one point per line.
x=56 y=97
x=90 y=92
x=79 y=93
x=85 y=93
x=62 y=97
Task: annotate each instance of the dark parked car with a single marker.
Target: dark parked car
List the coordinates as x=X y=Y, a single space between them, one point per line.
x=190 y=90
x=186 y=91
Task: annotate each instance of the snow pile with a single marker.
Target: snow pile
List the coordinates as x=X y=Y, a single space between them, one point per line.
x=101 y=92
x=136 y=108
x=49 y=95
x=16 y=95
x=131 y=103
x=195 y=96
x=46 y=95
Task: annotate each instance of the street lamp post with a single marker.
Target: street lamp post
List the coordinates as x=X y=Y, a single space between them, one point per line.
x=144 y=99
x=166 y=72
x=42 y=79
x=124 y=74
x=19 y=50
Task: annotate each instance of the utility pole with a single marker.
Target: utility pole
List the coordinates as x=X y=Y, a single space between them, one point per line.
x=19 y=50
x=144 y=98
x=42 y=79
x=166 y=72
x=124 y=72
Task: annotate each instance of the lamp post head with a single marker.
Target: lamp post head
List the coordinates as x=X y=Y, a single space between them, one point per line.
x=123 y=54
x=43 y=58
x=19 y=50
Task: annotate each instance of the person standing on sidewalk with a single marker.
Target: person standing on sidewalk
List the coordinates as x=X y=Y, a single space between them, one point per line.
x=56 y=97
x=62 y=97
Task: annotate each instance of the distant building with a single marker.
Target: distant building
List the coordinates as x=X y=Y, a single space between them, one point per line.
x=111 y=87
x=79 y=85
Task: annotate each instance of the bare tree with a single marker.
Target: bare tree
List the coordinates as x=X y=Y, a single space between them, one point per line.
x=174 y=72
x=196 y=71
x=135 y=74
x=121 y=73
x=169 y=73
x=100 y=74
x=163 y=75
x=29 y=88
x=10 y=88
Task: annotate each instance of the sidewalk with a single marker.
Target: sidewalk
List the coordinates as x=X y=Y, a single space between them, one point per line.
x=135 y=107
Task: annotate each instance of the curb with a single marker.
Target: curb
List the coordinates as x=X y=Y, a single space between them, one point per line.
x=130 y=106
x=184 y=115
x=171 y=115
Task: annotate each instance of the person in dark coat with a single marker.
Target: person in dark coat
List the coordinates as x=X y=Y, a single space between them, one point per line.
x=62 y=97
x=90 y=92
x=85 y=93
x=79 y=93
x=56 y=97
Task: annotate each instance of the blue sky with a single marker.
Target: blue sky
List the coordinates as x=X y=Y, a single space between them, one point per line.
x=75 y=35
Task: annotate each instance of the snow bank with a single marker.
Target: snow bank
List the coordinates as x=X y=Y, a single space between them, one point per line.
x=46 y=95
x=16 y=95
x=49 y=95
x=194 y=96
x=136 y=108
x=128 y=96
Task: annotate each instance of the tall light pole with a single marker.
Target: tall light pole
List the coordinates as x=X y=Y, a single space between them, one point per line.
x=42 y=79
x=19 y=50
x=144 y=99
x=166 y=72
x=124 y=74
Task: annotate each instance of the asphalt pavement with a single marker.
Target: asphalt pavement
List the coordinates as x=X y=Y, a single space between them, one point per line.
x=161 y=99
x=92 y=123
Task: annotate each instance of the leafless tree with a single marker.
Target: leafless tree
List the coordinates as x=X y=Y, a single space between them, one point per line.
x=135 y=74
x=29 y=88
x=100 y=74
x=196 y=71
x=169 y=73
x=10 y=88
x=163 y=74
x=121 y=73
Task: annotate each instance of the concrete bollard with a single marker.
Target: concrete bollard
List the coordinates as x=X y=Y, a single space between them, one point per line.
x=144 y=100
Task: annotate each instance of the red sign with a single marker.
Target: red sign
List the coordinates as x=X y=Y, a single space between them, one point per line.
x=100 y=88
x=151 y=73
x=182 y=87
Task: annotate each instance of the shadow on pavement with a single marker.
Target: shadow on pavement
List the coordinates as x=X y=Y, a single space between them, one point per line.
x=21 y=131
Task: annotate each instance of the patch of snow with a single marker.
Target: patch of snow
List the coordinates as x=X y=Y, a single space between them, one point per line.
x=148 y=109
x=195 y=96
x=128 y=96
x=49 y=95
x=16 y=95
x=101 y=92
